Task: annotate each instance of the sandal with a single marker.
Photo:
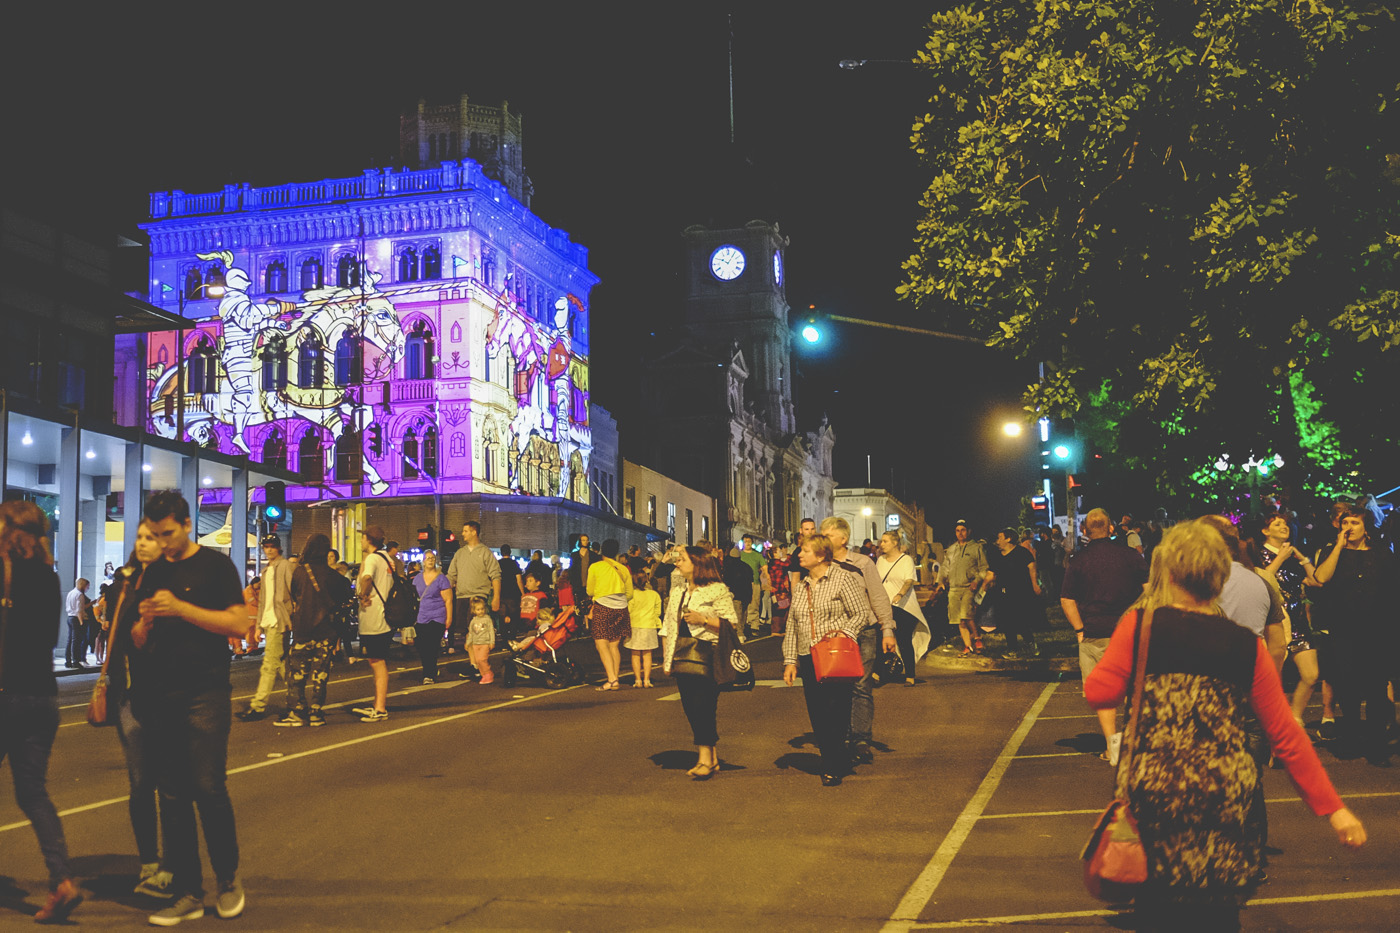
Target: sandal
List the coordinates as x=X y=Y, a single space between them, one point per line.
x=703 y=772
x=610 y=685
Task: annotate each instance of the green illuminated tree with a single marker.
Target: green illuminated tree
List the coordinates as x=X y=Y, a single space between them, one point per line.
x=1189 y=211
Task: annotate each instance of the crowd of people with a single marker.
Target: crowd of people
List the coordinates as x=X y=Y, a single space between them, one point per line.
x=1229 y=607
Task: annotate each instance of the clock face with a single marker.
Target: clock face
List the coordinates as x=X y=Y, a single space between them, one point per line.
x=727 y=263
x=777 y=267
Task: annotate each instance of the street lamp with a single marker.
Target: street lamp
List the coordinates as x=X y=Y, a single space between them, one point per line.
x=1011 y=429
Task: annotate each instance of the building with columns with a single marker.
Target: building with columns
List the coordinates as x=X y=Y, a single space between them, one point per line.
x=720 y=406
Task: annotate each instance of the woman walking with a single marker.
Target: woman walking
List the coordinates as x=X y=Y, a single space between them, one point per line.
x=1191 y=776
x=697 y=608
x=826 y=602
x=32 y=605
x=911 y=631
x=316 y=591
x=435 y=604
x=609 y=586
x=124 y=658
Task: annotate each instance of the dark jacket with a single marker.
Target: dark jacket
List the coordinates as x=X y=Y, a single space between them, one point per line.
x=738 y=576
x=31 y=629
x=316 y=603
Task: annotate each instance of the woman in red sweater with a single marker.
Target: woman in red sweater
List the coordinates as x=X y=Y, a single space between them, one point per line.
x=1192 y=775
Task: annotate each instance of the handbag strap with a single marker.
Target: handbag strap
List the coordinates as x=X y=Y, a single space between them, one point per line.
x=682 y=626
x=1139 y=681
x=892 y=566
x=811 y=607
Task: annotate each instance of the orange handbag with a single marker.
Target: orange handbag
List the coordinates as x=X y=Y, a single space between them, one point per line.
x=835 y=657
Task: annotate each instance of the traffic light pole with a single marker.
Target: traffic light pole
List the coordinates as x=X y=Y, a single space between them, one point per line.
x=906 y=329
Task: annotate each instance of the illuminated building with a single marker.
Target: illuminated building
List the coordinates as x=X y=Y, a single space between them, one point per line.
x=401 y=335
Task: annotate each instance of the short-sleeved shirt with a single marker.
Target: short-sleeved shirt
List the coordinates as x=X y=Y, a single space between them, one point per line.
x=645 y=609
x=1245 y=599
x=372 y=616
x=755 y=562
x=431 y=605
x=1103 y=578
x=181 y=657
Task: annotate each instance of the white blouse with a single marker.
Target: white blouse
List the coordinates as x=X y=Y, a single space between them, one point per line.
x=712 y=599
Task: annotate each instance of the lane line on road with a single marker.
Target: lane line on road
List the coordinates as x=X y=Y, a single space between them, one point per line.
x=1080 y=716
x=923 y=888
x=1083 y=914
x=1054 y=755
x=317 y=751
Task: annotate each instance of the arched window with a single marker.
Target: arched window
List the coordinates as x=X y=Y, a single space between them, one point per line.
x=410 y=455
x=418 y=353
x=213 y=278
x=309 y=460
x=274 y=449
x=349 y=458
x=310 y=363
x=311 y=274
x=194 y=283
x=408 y=264
x=432 y=263
x=274 y=371
x=349 y=359
x=347 y=271
x=275 y=277
x=429 y=457
x=203 y=368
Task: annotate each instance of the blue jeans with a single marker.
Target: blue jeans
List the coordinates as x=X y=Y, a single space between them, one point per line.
x=142 y=780
x=28 y=725
x=863 y=697
x=187 y=736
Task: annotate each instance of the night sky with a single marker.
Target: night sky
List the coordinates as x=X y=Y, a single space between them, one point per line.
x=627 y=140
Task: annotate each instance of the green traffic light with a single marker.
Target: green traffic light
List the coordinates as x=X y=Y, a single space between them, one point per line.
x=811 y=334
x=1062 y=451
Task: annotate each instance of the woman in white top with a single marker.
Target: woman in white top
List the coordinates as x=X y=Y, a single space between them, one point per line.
x=911 y=631
x=697 y=607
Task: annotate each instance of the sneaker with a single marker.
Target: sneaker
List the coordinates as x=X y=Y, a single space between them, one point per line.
x=148 y=869
x=861 y=754
x=230 y=901
x=362 y=710
x=1327 y=730
x=316 y=720
x=463 y=675
x=251 y=715
x=157 y=885
x=429 y=680
x=291 y=721
x=375 y=715
x=188 y=907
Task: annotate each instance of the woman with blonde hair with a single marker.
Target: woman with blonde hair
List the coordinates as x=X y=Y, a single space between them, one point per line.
x=1190 y=779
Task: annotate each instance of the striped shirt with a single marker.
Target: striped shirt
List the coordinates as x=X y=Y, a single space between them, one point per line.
x=835 y=603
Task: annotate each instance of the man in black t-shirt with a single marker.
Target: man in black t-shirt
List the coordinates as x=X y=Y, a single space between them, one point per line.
x=192 y=603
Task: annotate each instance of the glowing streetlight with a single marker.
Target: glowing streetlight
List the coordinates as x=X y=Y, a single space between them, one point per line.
x=1011 y=429
x=811 y=333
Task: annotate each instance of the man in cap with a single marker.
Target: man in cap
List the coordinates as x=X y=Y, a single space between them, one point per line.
x=963 y=574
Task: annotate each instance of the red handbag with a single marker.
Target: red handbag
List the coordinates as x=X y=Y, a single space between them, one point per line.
x=835 y=657
x=1115 y=862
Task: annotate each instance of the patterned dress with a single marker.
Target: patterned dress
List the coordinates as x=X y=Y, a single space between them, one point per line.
x=1192 y=775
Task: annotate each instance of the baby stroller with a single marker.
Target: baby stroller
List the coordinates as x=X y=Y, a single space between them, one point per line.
x=538 y=657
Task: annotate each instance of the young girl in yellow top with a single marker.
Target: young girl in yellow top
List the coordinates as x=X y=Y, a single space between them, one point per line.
x=645 y=609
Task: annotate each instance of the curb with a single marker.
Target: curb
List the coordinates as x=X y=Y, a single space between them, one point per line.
x=951 y=662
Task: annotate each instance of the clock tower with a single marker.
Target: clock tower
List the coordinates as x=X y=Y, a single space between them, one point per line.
x=735 y=293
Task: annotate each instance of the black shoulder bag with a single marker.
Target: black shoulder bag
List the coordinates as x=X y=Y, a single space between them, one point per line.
x=691 y=655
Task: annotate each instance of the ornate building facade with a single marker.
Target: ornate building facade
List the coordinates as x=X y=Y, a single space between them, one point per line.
x=720 y=410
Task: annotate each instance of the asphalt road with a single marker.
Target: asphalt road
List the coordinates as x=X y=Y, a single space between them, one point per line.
x=491 y=808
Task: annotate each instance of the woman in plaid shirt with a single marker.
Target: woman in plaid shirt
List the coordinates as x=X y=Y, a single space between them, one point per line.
x=830 y=599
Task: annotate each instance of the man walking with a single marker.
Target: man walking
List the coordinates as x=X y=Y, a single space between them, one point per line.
x=1102 y=579
x=376 y=638
x=75 y=608
x=474 y=571
x=748 y=553
x=963 y=574
x=874 y=638
x=181 y=695
x=738 y=576
x=274 y=621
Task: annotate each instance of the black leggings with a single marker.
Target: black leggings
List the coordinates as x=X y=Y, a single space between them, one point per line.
x=905 y=624
x=700 y=700
x=428 y=640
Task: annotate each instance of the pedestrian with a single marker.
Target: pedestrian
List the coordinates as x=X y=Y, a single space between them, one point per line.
x=391 y=551
x=181 y=695
x=644 y=611
x=316 y=592
x=376 y=638
x=76 y=653
x=29 y=690
x=581 y=560
x=274 y=622
x=100 y=609
x=124 y=663
x=1359 y=582
x=510 y=591
x=1015 y=592
x=481 y=638
x=738 y=576
x=1320 y=623
x=540 y=569
x=434 y=622
x=779 y=577
x=697 y=605
x=963 y=574
x=1192 y=776
x=827 y=601
x=911 y=631
x=875 y=638
x=1101 y=580
x=473 y=571
x=609 y=589
x=1292 y=569
x=748 y=553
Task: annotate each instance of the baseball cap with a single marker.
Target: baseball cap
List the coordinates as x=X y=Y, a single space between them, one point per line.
x=961 y=521
x=271 y=541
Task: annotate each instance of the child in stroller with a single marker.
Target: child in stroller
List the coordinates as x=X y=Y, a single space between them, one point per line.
x=537 y=654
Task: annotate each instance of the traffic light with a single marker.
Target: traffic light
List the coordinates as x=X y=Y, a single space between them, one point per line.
x=1040 y=510
x=427 y=538
x=812 y=329
x=274 y=502
x=376 y=440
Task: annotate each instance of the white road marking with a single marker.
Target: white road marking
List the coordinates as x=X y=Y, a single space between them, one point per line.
x=373 y=736
x=923 y=888
x=1080 y=716
x=1053 y=755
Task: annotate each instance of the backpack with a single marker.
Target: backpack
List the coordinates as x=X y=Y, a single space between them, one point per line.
x=401 y=605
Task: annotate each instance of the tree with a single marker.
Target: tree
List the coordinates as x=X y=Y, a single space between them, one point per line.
x=1188 y=211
